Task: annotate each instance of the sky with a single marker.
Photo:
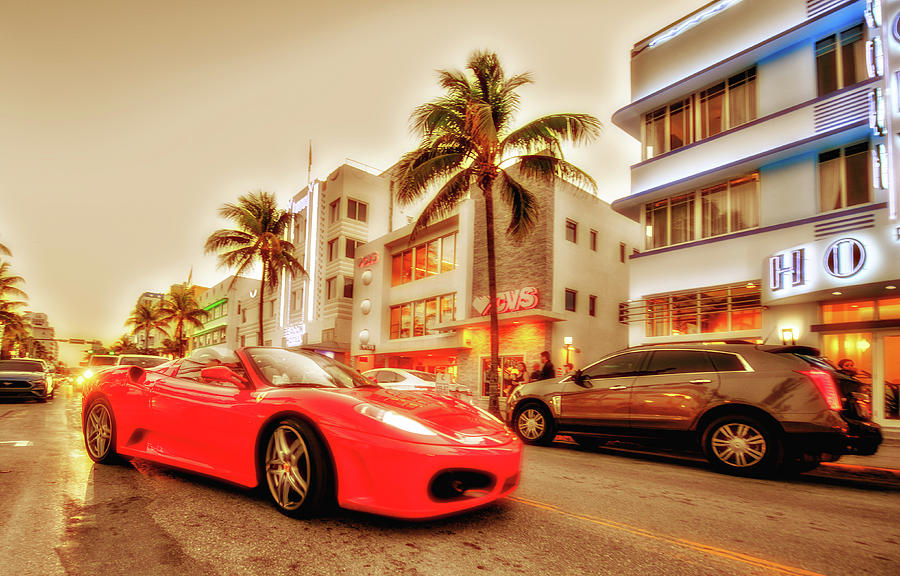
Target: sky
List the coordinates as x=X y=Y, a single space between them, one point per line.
x=125 y=125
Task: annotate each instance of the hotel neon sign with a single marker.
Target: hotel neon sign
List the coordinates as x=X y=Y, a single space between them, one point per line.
x=690 y=22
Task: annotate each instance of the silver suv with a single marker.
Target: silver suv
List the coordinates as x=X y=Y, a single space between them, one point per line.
x=751 y=409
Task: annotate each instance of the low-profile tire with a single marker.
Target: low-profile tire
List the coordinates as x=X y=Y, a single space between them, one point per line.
x=588 y=442
x=296 y=469
x=99 y=431
x=534 y=424
x=743 y=446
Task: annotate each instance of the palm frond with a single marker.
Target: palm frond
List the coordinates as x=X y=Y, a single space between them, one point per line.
x=418 y=170
x=549 y=131
x=522 y=203
x=447 y=198
x=547 y=169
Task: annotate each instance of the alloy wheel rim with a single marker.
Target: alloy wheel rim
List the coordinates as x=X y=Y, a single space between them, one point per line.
x=739 y=445
x=531 y=424
x=287 y=467
x=99 y=430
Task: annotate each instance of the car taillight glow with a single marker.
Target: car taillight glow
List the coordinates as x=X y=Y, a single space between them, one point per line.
x=826 y=386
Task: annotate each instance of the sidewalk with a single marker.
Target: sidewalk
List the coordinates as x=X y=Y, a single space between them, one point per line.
x=885 y=463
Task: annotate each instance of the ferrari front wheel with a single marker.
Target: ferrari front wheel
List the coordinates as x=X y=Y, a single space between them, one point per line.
x=296 y=469
x=100 y=432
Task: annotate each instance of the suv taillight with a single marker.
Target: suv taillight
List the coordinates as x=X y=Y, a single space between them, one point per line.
x=827 y=387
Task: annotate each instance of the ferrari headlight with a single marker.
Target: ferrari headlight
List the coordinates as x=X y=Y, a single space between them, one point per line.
x=395 y=420
x=88 y=373
x=80 y=379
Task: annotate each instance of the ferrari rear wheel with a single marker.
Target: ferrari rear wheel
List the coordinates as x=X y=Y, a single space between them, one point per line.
x=296 y=469
x=100 y=432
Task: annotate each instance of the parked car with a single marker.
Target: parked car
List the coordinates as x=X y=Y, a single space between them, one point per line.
x=307 y=429
x=96 y=363
x=27 y=378
x=751 y=409
x=401 y=379
x=142 y=360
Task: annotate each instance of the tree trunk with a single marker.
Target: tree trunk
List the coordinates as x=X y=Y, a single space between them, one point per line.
x=262 y=292
x=493 y=381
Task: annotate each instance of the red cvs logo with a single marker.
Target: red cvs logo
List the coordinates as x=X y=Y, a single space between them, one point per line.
x=509 y=301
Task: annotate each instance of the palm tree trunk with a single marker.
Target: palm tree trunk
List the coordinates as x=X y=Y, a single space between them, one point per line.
x=262 y=292
x=493 y=381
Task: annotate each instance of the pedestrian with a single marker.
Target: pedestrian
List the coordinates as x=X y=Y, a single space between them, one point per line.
x=568 y=368
x=518 y=375
x=535 y=372
x=547 y=370
x=848 y=367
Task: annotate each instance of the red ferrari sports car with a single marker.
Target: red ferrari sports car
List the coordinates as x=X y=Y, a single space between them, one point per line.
x=308 y=428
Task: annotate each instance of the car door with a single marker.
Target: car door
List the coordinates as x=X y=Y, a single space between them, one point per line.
x=672 y=389
x=600 y=401
x=199 y=424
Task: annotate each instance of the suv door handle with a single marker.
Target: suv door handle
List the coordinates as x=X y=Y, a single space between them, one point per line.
x=617 y=387
x=700 y=381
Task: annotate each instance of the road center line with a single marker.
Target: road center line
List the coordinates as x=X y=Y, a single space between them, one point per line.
x=18 y=443
x=721 y=552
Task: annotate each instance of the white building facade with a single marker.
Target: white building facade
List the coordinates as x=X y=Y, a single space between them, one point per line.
x=226 y=314
x=767 y=192
x=422 y=302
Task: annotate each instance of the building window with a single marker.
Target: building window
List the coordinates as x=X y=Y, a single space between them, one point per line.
x=722 y=208
x=571 y=231
x=350 y=247
x=592 y=305
x=622 y=250
x=348 y=287
x=844 y=177
x=328 y=335
x=594 y=240
x=420 y=318
x=357 y=210
x=334 y=212
x=720 y=107
x=717 y=309
x=425 y=260
x=243 y=341
x=331 y=288
x=570 y=300
x=841 y=60
x=244 y=315
x=332 y=250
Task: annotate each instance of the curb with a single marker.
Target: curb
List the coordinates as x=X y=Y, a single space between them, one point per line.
x=863 y=471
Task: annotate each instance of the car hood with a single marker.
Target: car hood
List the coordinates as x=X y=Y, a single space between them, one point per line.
x=444 y=414
x=21 y=375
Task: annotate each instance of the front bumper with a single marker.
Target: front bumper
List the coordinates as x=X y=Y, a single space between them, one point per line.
x=20 y=390
x=397 y=478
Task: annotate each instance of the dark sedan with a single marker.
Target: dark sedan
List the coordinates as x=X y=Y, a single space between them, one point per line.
x=25 y=378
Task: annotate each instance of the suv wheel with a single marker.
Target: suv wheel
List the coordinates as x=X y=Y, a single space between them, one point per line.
x=742 y=445
x=534 y=425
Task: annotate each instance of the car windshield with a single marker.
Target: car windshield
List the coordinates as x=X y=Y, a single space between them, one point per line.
x=142 y=361
x=21 y=366
x=103 y=360
x=426 y=376
x=286 y=368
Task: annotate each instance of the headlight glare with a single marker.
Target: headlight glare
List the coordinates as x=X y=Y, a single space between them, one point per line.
x=394 y=420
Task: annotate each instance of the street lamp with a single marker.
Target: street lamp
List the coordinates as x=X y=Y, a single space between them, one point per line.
x=567 y=340
x=787 y=336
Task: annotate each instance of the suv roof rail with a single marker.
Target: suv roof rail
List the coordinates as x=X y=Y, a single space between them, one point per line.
x=706 y=342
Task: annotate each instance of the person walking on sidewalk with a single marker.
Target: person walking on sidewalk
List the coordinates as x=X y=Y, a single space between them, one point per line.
x=547 y=370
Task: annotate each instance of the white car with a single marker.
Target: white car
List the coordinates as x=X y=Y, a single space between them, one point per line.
x=142 y=360
x=400 y=379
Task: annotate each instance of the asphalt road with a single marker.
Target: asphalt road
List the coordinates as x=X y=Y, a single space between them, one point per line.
x=576 y=512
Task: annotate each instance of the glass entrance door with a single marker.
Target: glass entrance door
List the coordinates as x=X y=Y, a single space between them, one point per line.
x=891 y=375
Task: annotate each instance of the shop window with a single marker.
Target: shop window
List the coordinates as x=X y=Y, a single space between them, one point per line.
x=889 y=309
x=571 y=231
x=722 y=106
x=357 y=210
x=853 y=346
x=858 y=311
x=840 y=60
x=844 y=177
x=714 y=310
x=570 y=299
x=421 y=317
x=891 y=377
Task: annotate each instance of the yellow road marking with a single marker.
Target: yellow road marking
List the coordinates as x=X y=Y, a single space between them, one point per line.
x=721 y=552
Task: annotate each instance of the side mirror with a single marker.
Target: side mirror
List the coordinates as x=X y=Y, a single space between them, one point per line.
x=223 y=374
x=580 y=379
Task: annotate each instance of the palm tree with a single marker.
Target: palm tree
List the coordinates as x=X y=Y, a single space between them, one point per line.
x=180 y=307
x=467 y=140
x=4 y=250
x=147 y=316
x=258 y=239
x=12 y=323
x=124 y=345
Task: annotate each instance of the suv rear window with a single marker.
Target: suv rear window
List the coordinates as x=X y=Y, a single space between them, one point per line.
x=726 y=362
x=679 y=362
